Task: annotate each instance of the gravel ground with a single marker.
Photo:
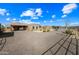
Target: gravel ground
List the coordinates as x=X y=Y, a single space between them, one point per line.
x=30 y=43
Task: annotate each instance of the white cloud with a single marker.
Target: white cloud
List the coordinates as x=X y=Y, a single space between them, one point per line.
x=28 y=13
x=33 y=13
x=63 y=16
x=74 y=24
x=37 y=22
x=28 y=21
x=14 y=19
x=7 y=14
x=48 y=21
x=53 y=16
x=57 y=20
x=25 y=21
x=3 y=11
x=35 y=17
x=8 y=19
x=47 y=11
x=51 y=21
x=69 y=8
x=45 y=21
x=38 y=12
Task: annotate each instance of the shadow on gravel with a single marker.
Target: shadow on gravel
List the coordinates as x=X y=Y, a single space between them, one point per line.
x=6 y=34
x=3 y=36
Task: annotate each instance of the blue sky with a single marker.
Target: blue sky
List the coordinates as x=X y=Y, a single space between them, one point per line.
x=40 y=13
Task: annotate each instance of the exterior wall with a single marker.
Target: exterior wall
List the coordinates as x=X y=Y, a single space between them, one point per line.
x=29 y=27
x=35 y=27
x=47 y=28
x=39 y=28
x=8 y=29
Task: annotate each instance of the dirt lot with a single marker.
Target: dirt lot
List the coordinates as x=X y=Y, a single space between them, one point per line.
x=32 y=43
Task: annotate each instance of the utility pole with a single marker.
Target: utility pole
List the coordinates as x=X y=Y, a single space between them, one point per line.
x=66 y=24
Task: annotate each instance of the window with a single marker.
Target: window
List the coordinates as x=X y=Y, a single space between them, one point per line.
x=36 y=27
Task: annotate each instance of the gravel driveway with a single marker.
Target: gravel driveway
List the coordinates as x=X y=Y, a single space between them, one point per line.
x=30 y=43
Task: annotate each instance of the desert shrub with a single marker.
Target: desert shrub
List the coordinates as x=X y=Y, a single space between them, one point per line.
x=44 y=31
x=48 y=30
x=68 y=32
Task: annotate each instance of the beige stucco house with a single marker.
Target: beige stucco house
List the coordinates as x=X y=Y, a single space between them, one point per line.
x=31 y=27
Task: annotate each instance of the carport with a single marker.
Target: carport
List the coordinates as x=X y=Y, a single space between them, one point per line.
x=19 y=27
